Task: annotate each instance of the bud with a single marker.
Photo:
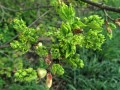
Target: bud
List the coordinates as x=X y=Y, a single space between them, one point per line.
x=106 y=22
x=48 y=59
x=49 y=80
x=40 y=44
x=109 y=30
x=41 y=72
x=117 y=21
x=77 y=31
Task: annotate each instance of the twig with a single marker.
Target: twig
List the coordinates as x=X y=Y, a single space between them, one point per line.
x=102 y=6
x=2 y=14
x=39 y=18
x=11 y=39
x=8 y=8
x=4 y=46
x=107 y=16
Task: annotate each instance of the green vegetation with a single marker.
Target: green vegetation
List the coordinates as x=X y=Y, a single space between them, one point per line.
x=59 y=45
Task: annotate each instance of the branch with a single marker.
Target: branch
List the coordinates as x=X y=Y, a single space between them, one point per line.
x=102 y=6
x=39 y=18
x=4 y=46
x=108 y=17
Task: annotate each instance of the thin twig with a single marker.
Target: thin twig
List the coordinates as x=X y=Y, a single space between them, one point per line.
x=107 y=16
x=4 y=46
x=39 y=18
x=11 y=39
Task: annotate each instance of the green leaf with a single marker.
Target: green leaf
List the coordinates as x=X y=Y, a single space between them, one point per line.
x=57 y=69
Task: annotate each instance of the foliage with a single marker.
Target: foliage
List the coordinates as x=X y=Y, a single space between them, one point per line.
x=6 y=67
x=67 y=49
x=25 y=75
x=70 y=35
x=94 y=34
x=26 y=38
x=57 y=69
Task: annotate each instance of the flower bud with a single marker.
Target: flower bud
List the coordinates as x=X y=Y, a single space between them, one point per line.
x=41 y=72
x=48 y=59
x=40 y=44
x=109 y=30
x=49 y=80
x=117 y=21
